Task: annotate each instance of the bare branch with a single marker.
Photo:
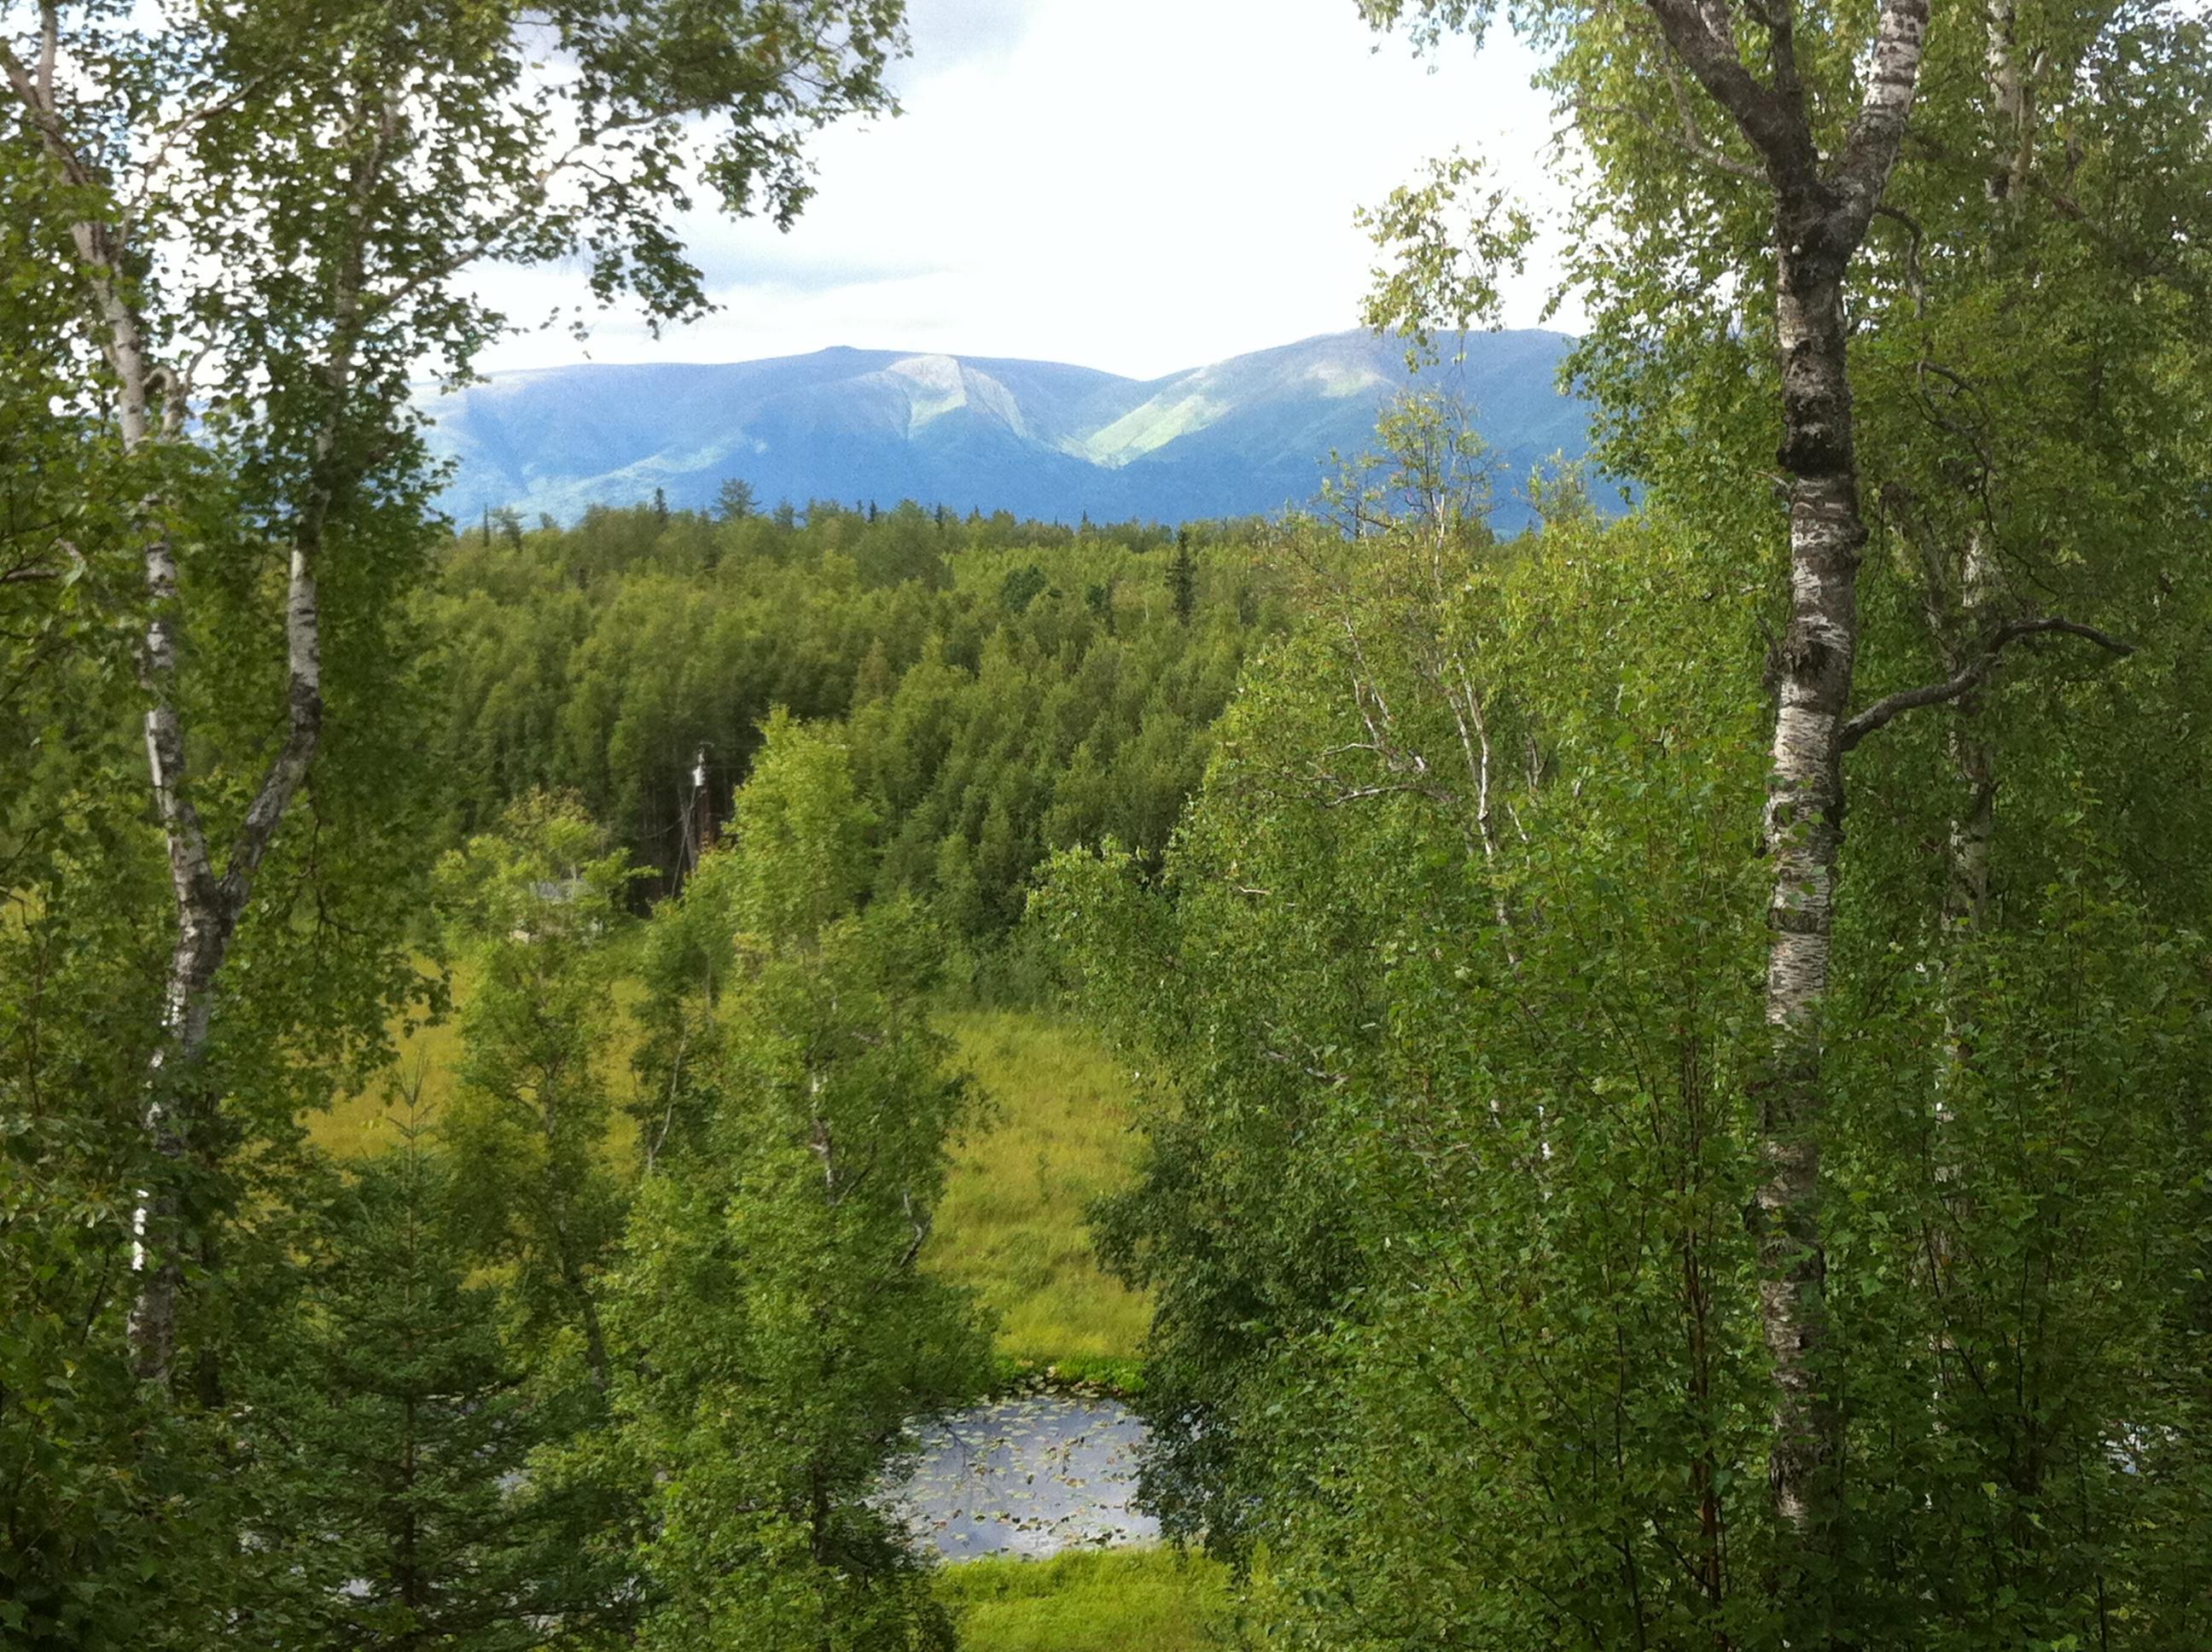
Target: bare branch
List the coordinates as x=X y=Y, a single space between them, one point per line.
x=920 y=1223
x=1916 y=237
x=1408 y=788
x=1319 y=1074
x=1970 y=676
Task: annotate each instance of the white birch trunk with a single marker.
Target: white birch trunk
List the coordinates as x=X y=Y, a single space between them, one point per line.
x=1802 y=837
x=1822 y=209
x=151 y=406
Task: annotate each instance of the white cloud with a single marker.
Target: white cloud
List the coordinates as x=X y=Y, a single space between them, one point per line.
x=949 y=32
x=1140 y=187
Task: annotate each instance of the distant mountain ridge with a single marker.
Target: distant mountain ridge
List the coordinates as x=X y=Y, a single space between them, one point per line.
x=1244 y=436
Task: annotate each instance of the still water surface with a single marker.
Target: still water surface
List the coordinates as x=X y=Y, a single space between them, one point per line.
x=1027 y=1476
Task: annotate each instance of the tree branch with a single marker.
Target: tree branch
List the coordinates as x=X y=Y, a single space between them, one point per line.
x=50 y=41
x=1970 y=676
x=1876 y=134
x=531 y=198
x=1915 y=284
x=303 y=603
x=1712 y=57
x=2151 y=259
x=167 y=140
x=35 y=93
x=1690 y=140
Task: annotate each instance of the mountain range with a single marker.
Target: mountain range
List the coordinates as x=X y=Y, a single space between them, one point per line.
x=1244 y=436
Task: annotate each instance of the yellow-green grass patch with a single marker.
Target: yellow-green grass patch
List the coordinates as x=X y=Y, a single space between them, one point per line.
x=1155 y=1600
x=1056 y=1133
x=429 y=1052
x=1053 y=1134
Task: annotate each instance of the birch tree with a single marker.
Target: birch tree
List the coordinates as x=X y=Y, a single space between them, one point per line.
x=268 y=218
x=1818 y=158
x=1771 y=218
x=1448 y=1145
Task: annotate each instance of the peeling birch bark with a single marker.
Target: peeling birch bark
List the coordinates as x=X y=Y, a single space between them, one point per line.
x=1822 y=208
x=2012 y=102
x=1803 y=834
x=1972 y=750
x=151 y=409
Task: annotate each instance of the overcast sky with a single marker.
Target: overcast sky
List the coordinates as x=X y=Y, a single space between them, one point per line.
x=1139 y=186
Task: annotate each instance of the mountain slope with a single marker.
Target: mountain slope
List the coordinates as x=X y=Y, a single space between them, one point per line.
x=1239 y=437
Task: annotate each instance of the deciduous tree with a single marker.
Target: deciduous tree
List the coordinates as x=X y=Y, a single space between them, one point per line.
x=779 y=1332
x=264 y=220
x=1816 y=232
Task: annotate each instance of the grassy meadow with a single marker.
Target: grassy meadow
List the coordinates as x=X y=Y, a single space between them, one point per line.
x=1112 y=1600
x=430 y=1053
x=1055 y=1134
x=1052 y=1134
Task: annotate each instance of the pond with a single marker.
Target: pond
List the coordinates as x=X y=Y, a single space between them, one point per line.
x=1031 y=1475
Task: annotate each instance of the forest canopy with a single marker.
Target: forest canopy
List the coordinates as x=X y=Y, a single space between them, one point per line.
x=1671 y=1050
x=1008 y=688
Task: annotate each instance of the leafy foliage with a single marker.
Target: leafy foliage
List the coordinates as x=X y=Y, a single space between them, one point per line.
x=232 y=239
x=529 y=1123
x=604 y=658
x=405 y=1425
x=1448 y=1004
x=780 y=1333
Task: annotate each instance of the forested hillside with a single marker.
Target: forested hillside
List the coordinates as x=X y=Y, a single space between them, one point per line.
x=1232 y=438
x=1006 y=689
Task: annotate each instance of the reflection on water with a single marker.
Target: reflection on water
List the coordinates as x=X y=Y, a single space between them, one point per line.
x=1030 y=1476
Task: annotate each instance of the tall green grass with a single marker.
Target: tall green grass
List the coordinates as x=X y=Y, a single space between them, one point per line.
x=1055 y=1135
x=1118 y=1600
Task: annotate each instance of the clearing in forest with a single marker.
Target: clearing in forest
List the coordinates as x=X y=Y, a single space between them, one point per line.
x=1053 y=1134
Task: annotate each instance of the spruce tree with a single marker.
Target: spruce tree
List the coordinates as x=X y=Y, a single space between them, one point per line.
x=528 y=1127
x=403 y=1427
x=1182 y=578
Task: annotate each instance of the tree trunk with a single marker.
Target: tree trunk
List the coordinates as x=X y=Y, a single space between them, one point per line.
x=1803 y=835
x=209 y=903
x=156 y=1222
x=208 y=906
x=2012 y=103
x=1970 y=743
x=1822 y=206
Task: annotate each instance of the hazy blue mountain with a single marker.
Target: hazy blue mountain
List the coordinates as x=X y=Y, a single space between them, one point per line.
x=1244 y=436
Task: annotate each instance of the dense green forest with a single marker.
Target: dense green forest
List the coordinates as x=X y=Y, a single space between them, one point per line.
x=1673 y=1053
x=1451 y=1155
x=1007 y=689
